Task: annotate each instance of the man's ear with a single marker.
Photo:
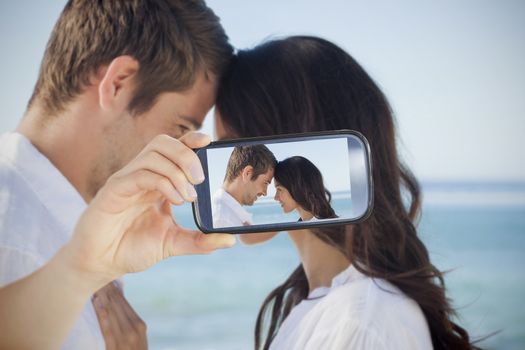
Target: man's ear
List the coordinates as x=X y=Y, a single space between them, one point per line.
x=117 y=84
x=247 y=173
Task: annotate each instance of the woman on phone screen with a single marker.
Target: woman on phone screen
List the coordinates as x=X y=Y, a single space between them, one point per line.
x=299 y=186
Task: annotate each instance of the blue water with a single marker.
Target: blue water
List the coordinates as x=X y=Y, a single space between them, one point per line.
x=211 y=302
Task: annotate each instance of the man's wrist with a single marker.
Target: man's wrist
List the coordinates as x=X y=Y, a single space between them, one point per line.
x=74 y=275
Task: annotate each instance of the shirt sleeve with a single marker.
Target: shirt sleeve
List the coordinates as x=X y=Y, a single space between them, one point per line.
x=15 y=264
x=85 y=334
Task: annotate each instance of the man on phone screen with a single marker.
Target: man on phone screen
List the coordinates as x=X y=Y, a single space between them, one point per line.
x=248 y=174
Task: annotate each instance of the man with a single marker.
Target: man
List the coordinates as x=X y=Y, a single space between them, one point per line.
x=248 y=174
x=119 y=83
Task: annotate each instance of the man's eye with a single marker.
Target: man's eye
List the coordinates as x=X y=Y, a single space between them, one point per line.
x=182 y=130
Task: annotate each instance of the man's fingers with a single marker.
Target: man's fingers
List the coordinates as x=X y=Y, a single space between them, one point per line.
x=110 y=196
x=184 y=241
x=165 y=165
x=133 y=318
x=116 y=298
x=213 y=241
x=157 y=163
x=120 y=325
x=195 y=140
x=100 y=303
x=178 y=153
x=100 y=311
x=112 y=314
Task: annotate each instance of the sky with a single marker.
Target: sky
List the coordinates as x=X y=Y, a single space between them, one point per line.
x=453 y=70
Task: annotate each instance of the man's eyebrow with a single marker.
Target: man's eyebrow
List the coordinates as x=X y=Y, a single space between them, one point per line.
x=190 y=120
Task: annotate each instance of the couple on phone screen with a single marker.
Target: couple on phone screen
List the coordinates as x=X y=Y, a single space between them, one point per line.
x=298 y=186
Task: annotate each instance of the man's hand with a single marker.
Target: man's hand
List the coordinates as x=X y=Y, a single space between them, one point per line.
x=121 y=326
x=129 y=226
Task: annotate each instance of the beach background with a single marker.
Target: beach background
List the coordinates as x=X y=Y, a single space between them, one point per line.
x=454 y=73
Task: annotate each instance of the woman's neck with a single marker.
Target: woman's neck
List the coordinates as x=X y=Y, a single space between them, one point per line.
x=321 y=261
x=305 y=215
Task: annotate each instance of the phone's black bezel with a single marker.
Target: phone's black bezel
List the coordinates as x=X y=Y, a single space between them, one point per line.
x=204 y=190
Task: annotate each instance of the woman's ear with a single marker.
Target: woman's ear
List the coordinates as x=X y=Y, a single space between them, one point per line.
x=117 y=84
x=247 y=173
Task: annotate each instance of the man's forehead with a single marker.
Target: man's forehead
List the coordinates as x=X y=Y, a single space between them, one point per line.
x=201 y=98
x=269 y=174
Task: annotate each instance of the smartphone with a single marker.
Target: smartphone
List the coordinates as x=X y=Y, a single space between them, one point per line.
x=285 y=182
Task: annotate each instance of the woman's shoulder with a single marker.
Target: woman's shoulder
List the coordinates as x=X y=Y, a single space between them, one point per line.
x=357 y=295
x=373 y=310
x=365 y=297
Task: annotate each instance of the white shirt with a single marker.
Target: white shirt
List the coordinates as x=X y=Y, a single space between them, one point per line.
x=356 y=312
x=38 y=212
x=227 y=212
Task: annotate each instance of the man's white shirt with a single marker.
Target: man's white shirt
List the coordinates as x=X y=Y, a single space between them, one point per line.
x=227 y=212
x=38 y=212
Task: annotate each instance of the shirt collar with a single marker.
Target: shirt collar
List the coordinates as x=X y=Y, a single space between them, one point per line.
x=55 y=192
x=347 y=275
x=237 y=208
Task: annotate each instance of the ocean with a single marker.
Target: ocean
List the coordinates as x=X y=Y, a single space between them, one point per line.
x=475 y=231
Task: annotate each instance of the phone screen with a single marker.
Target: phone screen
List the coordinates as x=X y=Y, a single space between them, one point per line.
x=284 y=182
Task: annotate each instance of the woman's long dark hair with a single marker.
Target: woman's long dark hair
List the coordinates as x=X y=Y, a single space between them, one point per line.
x=304 y=182
x=301 y=84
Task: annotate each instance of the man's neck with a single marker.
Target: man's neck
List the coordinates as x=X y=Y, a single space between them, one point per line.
x=66 y=140
x=321 y=261
x=234 y=190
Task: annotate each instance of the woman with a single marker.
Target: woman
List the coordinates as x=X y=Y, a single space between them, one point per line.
x=368 y=285
x=299 y=186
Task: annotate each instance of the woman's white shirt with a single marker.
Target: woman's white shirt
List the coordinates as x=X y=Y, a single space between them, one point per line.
x=356 y=312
